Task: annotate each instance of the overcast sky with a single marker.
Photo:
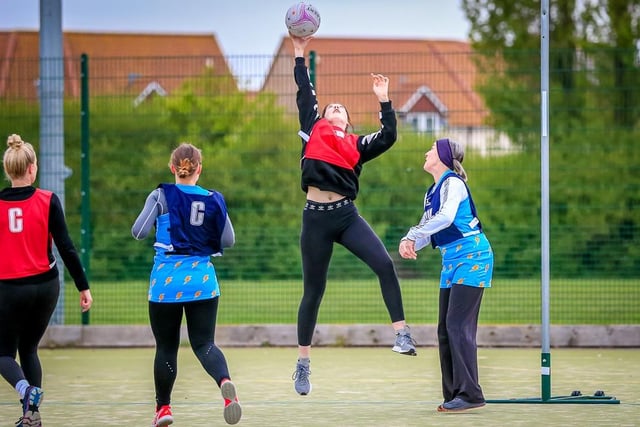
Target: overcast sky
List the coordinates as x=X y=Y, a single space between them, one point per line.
x=248 y=27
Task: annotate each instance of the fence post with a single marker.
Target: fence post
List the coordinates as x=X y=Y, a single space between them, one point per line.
x=85 y=206
x=312 y=67
x=53 y=171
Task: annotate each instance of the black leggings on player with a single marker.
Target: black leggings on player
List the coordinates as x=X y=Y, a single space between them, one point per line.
x=25 y=311
x=324 y=224
x=166 y=319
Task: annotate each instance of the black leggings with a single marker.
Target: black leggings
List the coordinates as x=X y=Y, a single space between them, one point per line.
x=166 y=319
x=322 y=225
x=25 y=311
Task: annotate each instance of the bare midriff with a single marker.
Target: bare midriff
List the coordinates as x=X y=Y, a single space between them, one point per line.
x=322 y=196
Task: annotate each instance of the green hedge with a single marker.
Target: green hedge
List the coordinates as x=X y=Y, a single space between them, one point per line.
x=594 y=193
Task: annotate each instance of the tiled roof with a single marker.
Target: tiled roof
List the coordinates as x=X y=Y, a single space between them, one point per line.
x=443 y=68
x=119 y=63
x=420 y=71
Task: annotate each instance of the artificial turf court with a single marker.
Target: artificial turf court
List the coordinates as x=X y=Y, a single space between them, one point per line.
x=351 y=387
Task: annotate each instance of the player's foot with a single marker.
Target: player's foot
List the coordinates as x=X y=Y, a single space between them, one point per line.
x=232 y=409
x=30 y=407
x=404 y=343
x=163 y=417
x=459 y=405
x=300 y=379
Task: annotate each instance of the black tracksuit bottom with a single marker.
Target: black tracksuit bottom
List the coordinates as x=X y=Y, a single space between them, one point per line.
x=459 y=307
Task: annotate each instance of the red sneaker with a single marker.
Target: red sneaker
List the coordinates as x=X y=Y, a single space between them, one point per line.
x=163 y=417
x=232 y=409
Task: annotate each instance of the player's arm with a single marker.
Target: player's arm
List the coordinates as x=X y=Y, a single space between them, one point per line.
x=374 y=144
x=228 y=238
x=154 y=206
x=306 y=96
x=66 y=248
x=452 y=192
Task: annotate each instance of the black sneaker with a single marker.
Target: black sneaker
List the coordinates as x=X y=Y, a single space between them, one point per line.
x=459 y=405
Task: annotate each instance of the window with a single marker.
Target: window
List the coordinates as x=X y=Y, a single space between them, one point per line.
x=424 y=122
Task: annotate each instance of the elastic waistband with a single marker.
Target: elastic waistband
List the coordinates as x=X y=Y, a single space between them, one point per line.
x=322 y=207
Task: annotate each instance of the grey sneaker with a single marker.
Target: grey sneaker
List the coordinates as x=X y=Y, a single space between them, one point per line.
x=301 y=379
x=232 y=409
x=404 y=343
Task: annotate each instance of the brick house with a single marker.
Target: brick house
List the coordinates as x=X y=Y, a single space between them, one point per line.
x=122 y=64
x=431 y=83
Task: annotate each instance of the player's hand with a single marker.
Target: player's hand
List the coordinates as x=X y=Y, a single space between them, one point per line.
x=85 y=300
x=407 y=249
x=381 y=87
x=299 y=44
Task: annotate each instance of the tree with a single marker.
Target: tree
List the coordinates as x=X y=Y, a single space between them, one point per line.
x=616 y=24
x=206 y=108
x=594 y=114
x=592 y=46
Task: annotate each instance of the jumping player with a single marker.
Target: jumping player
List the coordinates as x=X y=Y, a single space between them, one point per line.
x=332 y=159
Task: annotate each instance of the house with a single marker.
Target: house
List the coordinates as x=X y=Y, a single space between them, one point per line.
x=120 y=64
x=432 y=84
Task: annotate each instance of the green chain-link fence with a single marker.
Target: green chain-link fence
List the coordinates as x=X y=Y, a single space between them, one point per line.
x=140 y=108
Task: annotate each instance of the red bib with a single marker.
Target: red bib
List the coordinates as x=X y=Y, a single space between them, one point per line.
x=332 y=145
x=24 y=232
